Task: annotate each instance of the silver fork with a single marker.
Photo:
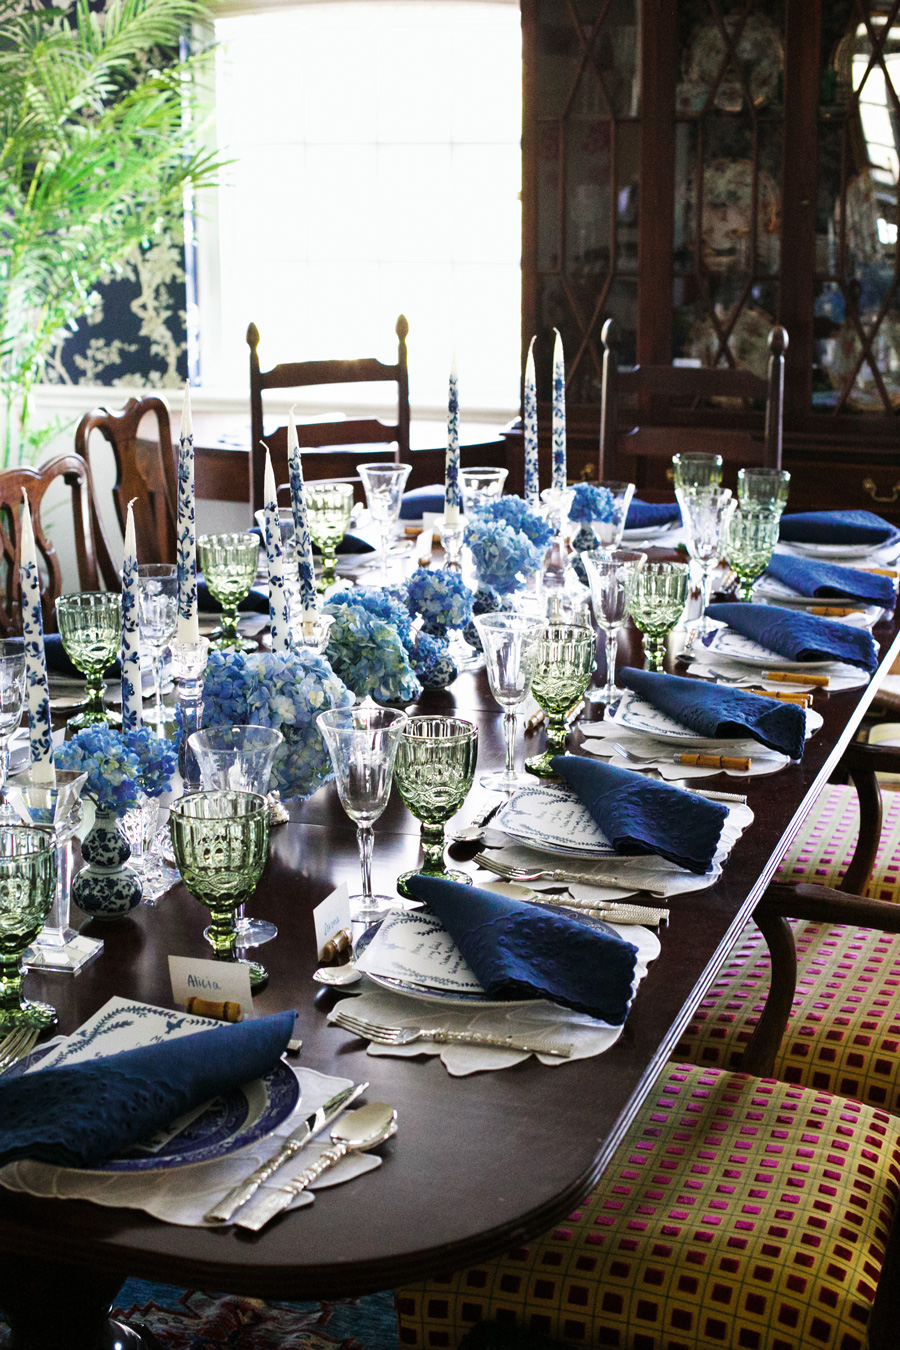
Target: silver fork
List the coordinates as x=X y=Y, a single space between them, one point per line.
x=16 y=1045
x=371 y=1031
x=558 y=874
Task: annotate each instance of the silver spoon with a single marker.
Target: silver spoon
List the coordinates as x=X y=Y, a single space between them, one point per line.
x=473 y=833
x=335 y=976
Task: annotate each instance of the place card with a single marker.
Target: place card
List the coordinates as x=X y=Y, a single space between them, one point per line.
x=219 y=981
x=331 y=916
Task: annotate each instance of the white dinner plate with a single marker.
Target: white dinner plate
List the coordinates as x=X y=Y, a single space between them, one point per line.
x=651 y=532
x=554 y=820
x=726 y=642
x=816 y=550
x=636 y=714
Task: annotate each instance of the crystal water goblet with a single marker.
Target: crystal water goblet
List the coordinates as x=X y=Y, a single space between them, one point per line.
x=188 y=665
x=705 y=513
x=608 y=572
x=228 y=563
x=697 y=470
x=749 y=544
x=220 y=841
x=434 y=771
x=362 y=742
x=609 y=532
x=510 y=643
x=655 y=596
x=384 y=484
x=239 y=758
x=480 y=485
x=763 y=489
x=27 y=887
x=90 y=625
x=158 y=621
x=328 y=510
x=567 y=655
x=12 y=697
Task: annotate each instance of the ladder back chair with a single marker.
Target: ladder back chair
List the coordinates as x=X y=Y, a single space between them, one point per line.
x=652 y=412
x=145 y=472
x=95 y=567
x=358 y=433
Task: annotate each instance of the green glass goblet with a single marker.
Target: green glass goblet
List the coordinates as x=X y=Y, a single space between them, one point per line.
x=749 y=544
x=228 y=563
x=220 y=840
x=90 y=625
x=433 y=771
x=328 y=510
x=698 y=470
x=656 y=595
x=763 y=489
x=567 y=656
x=27 y=888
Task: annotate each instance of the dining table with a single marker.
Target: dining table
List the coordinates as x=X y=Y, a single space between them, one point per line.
x=479 y=1163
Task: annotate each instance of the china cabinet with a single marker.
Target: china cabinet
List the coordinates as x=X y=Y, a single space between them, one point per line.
x=700 y=170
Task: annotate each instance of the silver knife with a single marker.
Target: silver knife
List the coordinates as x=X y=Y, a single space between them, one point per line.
x=313 y=1125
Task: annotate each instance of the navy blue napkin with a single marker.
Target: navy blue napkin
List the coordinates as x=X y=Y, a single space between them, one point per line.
x=716 y=711
x=837 y=527
x=646 y=515
x=517 y=949
x=351 y=543
x=642 y=815
x=827 y=581
x=798 y=636
x=58 y=662
x=422 y=499
x=79 y=1114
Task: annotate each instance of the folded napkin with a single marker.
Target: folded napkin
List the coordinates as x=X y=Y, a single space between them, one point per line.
x=351 y=543
x=58 y=662
x=256 y=602
x=837 y=527
x=517 y=949
x=827 y=581
x=646 y=515
x=641 y=815
x=79 y=1114
x=422 y=499
x=797 y=636
x=716 y=711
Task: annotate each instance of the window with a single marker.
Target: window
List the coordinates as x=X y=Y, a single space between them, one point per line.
x=376 y=171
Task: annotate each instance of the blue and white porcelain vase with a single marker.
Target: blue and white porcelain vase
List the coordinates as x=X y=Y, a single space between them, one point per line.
x=107 y=888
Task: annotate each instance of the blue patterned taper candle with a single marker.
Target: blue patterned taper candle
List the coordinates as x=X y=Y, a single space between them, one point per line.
x=559 y=414
x=36 y=683
x=302 y=540
x=132 y=699
x=530 y=429
x=278 y=609
x=186 y=538
x=451 y=477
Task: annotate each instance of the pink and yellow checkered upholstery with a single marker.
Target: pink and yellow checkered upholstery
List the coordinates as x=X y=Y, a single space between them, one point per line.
x=739 y=1213
x=844 y=1032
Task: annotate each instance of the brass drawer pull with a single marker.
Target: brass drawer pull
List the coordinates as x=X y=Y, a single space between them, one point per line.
x=870 y=486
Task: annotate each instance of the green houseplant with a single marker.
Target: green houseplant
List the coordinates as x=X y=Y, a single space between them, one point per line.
x=98 y=135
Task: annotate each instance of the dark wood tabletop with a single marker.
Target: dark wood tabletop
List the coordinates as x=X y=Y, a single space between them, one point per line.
x=478 y=1162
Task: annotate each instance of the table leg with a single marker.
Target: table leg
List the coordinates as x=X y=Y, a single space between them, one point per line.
x=48 y=1307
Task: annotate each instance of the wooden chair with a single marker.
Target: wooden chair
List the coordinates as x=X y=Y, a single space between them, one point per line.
x=145 y=472
x=95 y=567
x=652 y=412
x=354 y=432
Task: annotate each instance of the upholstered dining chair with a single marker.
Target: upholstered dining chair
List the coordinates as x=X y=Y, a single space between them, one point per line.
x=652 y=412
x=358 y=433
x=95 y=567
x=145 y=471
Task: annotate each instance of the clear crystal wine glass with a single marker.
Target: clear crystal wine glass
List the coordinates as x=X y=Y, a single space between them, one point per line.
x=220 y=841
x=27 y=887
x=749 y=544
x=157 y=620
x=362 y=742
x=384 y=484
x=655 y=596
x=90 y=625
x=480 y=485
x=697 y=470
x=705 y=513
x=328 y=510
x=567 y=655
x=228 y=563
x=510 y=643
x=763 y=489
x=609 y=532
x=434 y=771
x=608 y=572
x=239 y=758
x=12 y=697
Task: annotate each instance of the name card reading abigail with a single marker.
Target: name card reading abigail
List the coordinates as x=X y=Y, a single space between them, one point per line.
x=331 y=916
x=217 y=981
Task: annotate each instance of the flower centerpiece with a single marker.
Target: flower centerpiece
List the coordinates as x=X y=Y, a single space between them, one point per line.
x=284 y=691
x=375 y=650
x=120 y=766
x=589 y=504
x=440 y=598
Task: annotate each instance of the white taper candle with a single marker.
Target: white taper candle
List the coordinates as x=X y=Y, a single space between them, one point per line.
x=559 y=414
x=37 y=686
x=302 y=539
x=132 y=699
x=186 y=536
x=530 y=431
x=451 y=476
x=278 y=609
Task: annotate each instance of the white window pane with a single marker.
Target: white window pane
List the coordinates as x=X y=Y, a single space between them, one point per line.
x=415 y=194
x=485 y=210
x=341 y=184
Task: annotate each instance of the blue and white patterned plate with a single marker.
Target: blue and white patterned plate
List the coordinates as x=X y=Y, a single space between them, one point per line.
x=736 y=647
x=635 y=714
x=554 y=820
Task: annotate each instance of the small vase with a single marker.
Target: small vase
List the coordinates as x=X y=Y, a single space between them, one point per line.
x=107 y=888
